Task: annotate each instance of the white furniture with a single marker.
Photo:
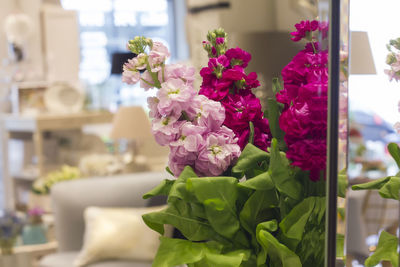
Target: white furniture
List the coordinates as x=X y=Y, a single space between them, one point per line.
x=34 y=127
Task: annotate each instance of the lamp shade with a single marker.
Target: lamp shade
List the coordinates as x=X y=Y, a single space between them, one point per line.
x=361 y=60
x=131 y=123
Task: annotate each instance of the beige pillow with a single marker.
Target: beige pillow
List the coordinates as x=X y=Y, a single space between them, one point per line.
x=118 y=234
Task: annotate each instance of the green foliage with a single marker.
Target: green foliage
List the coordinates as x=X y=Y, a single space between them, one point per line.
x=385 y=251
x=273 y=217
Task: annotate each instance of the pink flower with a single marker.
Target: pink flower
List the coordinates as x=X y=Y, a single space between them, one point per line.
x=207 y=113
x=130 y=74
x=218 y=154
x=219 y=40
x=152 y=103
x=174 y=96
x=177 y=71
x=146 y=81
x=166 y=129
x=157 y=56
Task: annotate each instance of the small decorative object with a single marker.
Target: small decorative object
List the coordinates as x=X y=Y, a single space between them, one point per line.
x=42 y=186
x=10 y=227
x=34 y=232
x=249 y=187
x=63 y=98
x=101 y=165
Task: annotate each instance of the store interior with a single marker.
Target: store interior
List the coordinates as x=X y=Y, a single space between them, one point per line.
x=77 y=144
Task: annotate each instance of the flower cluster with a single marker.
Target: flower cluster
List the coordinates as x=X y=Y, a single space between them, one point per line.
x=225 y=80
x=393 y=60
x=189 y=123
x=304 y=118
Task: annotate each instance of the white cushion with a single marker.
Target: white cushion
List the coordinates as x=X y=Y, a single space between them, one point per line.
x=117 y=233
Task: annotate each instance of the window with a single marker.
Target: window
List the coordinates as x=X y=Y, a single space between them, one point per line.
x=105 y=28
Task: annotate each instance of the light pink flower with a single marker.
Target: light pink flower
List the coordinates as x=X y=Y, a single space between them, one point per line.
x=166 y=129
x=218 y=154
x=152 y=103
x=207 y=112
x=148 y=82
x=396 y=126
x=174 y=96
x=140 y=61
x=130 y=74
x=177 y=71
x=157 y=56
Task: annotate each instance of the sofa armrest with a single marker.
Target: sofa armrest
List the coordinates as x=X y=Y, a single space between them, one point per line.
x=71 y=198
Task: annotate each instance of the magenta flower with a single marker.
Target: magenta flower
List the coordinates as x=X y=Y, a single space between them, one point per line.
x=219 y=40
x=303 y=28
x=237 y=56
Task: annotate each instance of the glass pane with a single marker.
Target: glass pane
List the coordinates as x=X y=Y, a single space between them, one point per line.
x=373 y=213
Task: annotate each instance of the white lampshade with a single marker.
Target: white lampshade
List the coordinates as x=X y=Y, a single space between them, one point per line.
x=131 y=123
x=361 y=60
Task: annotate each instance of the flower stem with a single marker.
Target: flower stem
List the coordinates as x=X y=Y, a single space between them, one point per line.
x=313 y=46
x=148 y=83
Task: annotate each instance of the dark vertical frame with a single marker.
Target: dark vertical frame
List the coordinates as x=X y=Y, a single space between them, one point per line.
x=333 y=127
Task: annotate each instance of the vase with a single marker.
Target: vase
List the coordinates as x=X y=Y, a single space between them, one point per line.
x=34 y=234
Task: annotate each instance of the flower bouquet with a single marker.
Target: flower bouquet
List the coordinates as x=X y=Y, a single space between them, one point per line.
x=249 y=186
x=10 y=227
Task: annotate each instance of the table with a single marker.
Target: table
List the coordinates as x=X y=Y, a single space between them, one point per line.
x=14 y=126
x=27 y=256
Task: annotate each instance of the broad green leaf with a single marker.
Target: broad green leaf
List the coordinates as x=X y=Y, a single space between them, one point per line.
x=391 y=189
x=231 y=259
x=273 y=119
x=174 y=252
x=342 y=183
x=258 y=202
x=270 y=226
x=376 y=184
x=279 y=170
x=278 y=253
x=178 y=189
x=248 y=159
x=179 y=214
x=262 y=181
x=218 y=195
x=394 y=150
x=162 y=189
x=293 y=225
x=385 y=251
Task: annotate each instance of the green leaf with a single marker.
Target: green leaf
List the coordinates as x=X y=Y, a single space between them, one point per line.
x=394 y=150
x=258 y=202
x=180 y=215
x=218 y=195
x=174 y=252
x=340 y=246
x=293 y=225
x=270 y=226
x=251 y=136
x=278 y=253
x=178 y=190
x=231 y=259
x=162 y=189
x=273 y=119
x=391 y=189
x=342 y=183
x=376 y=184
x=279 y=170
x=250 y=156
x=385 y=251
x=262 y=181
